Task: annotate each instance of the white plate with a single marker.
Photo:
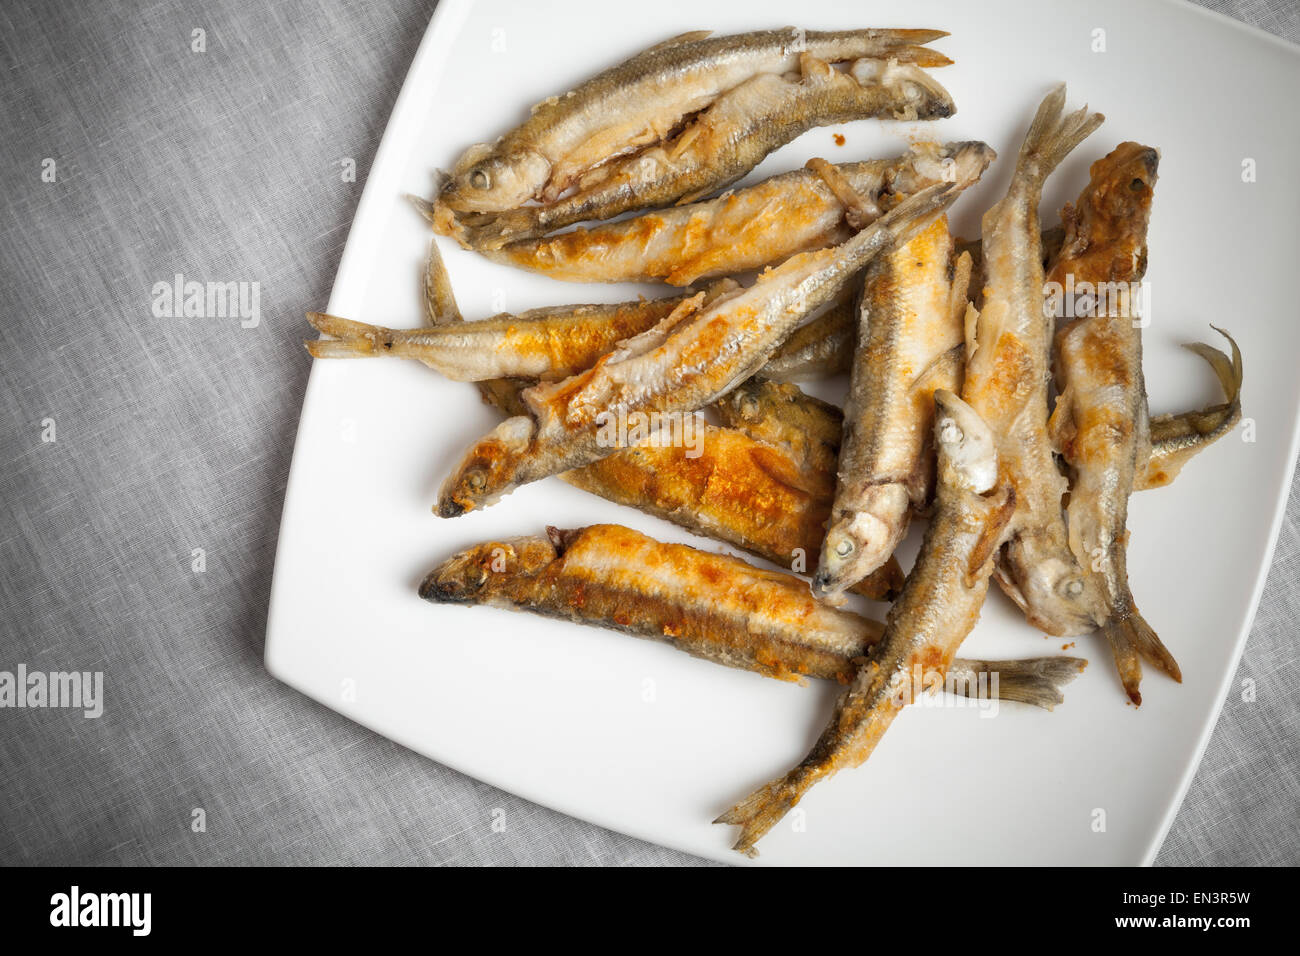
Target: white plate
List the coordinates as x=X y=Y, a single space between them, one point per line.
x=639 y=737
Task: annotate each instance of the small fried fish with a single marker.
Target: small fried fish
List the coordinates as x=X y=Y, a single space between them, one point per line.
x=910 y=344
x=740 y=231
x=1007 y=374
x=712 y=606
x=721 y=145
x=1101 y=422
x=695 y=355
x=642 y=101
x=939 y=606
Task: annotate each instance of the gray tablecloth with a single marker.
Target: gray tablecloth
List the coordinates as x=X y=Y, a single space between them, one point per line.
x=174 y=435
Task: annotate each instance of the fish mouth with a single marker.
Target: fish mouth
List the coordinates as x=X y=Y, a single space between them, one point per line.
x=442 y=591
x=450 y=508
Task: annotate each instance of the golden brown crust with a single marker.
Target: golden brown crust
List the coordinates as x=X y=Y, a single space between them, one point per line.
x=748 y=493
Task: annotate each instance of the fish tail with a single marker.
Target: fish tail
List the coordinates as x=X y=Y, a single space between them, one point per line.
x=350 y=339
x=1132 y=638
x=762 y=810
x=1227 y=370
x=1037 y=680
x=1053 y=135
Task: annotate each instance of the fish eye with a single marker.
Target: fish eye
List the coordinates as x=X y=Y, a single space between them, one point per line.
x=1136 y=185
x=475 y=480
x=950 y=432
x=1073 y=587
x=844 y=548
x=480 y=179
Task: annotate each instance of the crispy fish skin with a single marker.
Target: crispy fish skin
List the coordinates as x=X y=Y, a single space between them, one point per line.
x=724 y=143
x=764 y=498
x=821 y=347
x=1176 y=439
x=641 y=101
x=547 y=343
x=1007 y=374
x=712 y=606
x=911 y=341
x=681 y=365
x=783 y=415
x=743 y=230
x=1051 y=241
x=940 y=604
x=1101 y=414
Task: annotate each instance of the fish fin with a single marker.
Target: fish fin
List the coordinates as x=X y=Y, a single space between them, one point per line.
x=952 y=362
x=440 y=306
x=655 y=336
x=815 y=69
x=762 y=810
x=1131 y=638
x=492 y=230
x=443 y=220
x=1052 y=135
x=859 y=210
x=1036 y=681
x=921 y=56
x=503 y=394
x=991 y=536
x=1061 y=427
x=699 y=194
x=1228 y=371
x=335 y=349
x=883 y=584
x=963 y=268
x=690 y=36
x=425 y=207
x=1009 y=586
x=972 y=321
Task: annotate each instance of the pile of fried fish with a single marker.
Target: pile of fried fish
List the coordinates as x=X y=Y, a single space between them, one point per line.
x=1009 y=413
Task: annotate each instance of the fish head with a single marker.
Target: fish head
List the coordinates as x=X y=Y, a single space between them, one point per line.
x=1125 y=178
x=962 y=162
x=1054 y=592
x=486 y=180
x=968 y=458
x=472 y=575
x=1115 y=208
x=856 y=544
x=923 y=96
x=746 y=403
x=488 y=469
x=969 y=161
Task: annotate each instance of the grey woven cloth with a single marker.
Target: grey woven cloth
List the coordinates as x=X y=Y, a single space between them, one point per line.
x=143 y=462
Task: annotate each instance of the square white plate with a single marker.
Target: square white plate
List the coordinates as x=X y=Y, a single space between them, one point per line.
x=641 y=738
